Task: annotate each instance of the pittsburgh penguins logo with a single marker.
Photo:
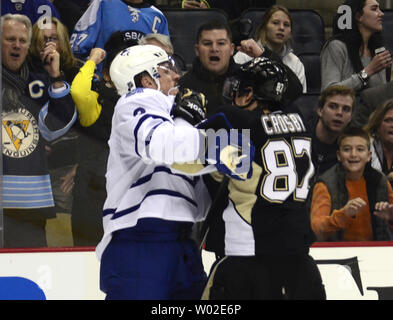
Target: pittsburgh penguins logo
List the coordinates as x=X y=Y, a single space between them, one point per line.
x=20 y=133
x=134 y=14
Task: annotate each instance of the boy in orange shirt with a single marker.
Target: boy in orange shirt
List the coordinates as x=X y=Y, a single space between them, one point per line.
x=352 y=201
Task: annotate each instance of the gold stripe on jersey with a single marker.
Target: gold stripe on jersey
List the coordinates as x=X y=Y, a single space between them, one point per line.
x=217 y=176
x=189 y=167
x=243 y=193
x=209 y=284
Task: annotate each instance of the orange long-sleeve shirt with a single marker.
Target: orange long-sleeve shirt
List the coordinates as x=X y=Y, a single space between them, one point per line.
x=325 y=224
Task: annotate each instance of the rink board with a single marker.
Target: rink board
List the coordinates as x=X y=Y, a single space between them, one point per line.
x=347 y=269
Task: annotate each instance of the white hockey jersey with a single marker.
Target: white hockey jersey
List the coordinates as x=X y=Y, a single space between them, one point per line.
x=144 y=142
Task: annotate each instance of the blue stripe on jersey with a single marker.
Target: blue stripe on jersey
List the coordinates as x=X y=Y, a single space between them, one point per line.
x=27 y=192
x=153 y=193
x=51 y=135
x=59 y=94
x=139 y=124
x=147 y=178
x=107 y=212
x=148 y=139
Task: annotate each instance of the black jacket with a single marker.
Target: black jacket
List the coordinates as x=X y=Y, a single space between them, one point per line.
x=202 y=80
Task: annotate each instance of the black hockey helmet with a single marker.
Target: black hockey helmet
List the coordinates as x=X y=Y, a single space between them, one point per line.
x=268 y=79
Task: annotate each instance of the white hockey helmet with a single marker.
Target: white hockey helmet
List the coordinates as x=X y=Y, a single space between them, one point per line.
x=135 y=60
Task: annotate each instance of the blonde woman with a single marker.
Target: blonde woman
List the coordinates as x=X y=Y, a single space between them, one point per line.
x=56 y=34
x=275 y=32
x=62 y=158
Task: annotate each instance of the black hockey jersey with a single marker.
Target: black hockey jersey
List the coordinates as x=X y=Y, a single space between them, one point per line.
x=266 y=214
x=32 y=112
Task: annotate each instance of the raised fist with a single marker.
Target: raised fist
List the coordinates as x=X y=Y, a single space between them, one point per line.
x=190 y=106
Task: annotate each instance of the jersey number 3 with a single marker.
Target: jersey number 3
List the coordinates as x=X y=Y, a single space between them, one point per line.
x=282 y=179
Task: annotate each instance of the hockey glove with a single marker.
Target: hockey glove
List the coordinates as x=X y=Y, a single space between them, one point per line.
x=190 y=106
x=231 y=152
x=235 y=158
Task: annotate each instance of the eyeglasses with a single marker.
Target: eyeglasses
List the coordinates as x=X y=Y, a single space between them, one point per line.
x=50 y=39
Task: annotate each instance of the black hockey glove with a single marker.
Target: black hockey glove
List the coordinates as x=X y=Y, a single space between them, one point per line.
x=190 y=106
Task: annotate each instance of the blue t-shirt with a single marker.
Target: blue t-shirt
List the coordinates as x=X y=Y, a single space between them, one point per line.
x=104 y=17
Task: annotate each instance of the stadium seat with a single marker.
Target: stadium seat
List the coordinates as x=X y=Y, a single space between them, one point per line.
x=307 y=105
x=308 y=31
x=387 y=29
x=183 y=27
x=312 y=66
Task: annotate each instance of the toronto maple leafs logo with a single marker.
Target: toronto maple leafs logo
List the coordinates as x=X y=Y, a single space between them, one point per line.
x=134 y=14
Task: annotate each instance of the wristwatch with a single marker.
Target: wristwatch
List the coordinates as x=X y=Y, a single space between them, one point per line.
x=363 y=75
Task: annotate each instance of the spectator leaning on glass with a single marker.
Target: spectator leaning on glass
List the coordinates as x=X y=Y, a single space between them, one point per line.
x=36 y=107
x=274 y=31
x=355 y=55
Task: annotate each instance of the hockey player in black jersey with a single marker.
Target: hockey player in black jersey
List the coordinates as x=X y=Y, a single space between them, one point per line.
x=267 y=228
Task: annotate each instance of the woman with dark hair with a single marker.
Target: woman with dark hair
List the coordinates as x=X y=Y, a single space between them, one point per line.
x=355 y=56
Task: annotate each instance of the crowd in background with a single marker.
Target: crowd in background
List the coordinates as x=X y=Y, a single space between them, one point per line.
x=65 y=67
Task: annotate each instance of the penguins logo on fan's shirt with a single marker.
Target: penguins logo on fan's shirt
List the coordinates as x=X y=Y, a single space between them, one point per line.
x=134 y=14
x=20 y=133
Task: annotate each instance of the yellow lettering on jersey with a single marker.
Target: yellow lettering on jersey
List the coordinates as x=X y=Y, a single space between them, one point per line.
x=243 y=193
x=36 y=89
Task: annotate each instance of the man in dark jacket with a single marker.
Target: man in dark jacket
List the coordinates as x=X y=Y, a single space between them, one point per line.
x=35 y=107
x=333 y=114
x=214 y=63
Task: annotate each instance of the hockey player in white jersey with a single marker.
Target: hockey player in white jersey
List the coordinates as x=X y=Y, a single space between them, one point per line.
x=146 y=251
